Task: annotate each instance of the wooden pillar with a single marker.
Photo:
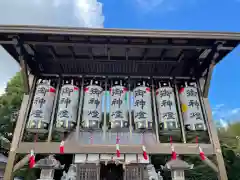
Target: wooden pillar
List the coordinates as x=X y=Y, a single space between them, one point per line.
x=222 y=174
x=21 y=121
x=17 y=136
x=23 y=64
x=24 y=74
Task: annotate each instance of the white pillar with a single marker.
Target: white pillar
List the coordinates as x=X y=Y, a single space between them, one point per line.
x=47 y=174
x=177 y=175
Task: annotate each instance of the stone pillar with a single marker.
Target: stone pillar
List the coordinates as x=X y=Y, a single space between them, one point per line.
x=47 y=174
x=178 y=174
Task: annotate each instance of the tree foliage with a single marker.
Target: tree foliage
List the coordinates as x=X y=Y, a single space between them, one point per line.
x=10 y=102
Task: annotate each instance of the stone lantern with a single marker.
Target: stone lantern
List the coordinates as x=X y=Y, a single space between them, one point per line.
x=177 y=168
x=152 y=174
x=71 y=174
x=48 y=166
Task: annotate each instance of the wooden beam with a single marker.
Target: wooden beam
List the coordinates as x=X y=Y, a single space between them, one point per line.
x=21 y=163
x=210 y=164
x=117 y=32
x=208 y=79
x=112 y=45
x=75 y=148
x=24 y=74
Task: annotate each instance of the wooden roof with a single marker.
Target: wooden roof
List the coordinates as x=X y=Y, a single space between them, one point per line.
x=52 y=50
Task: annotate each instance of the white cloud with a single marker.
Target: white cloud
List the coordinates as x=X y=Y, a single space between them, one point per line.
x=83 y=13
x=216 y=108
x=1 y=91
x=224 y=114
x=223 y=123
x=149 y=4
x=219 y=105
x=161 y=5
x=71 y=13
x=235 y=111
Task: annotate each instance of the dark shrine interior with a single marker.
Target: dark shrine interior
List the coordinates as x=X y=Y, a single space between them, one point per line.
x=66 y=159
x=111 y=171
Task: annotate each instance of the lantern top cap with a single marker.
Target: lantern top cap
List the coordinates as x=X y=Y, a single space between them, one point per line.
x=48 y=163
x=177 y=164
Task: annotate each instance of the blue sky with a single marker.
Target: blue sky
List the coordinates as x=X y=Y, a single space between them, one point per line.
x=219 y=15
x=213 y=15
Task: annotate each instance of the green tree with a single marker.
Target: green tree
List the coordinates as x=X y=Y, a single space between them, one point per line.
x=230 y=143
x=10 y=102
